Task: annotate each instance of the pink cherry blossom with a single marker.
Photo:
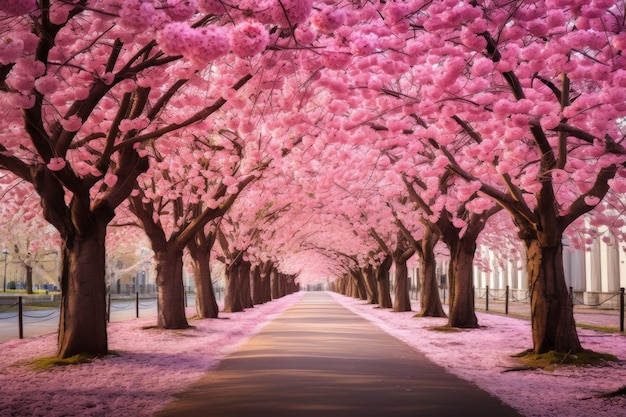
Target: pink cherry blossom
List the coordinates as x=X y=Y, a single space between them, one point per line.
x=249 y=38
x=56 y=164
x=328 y=19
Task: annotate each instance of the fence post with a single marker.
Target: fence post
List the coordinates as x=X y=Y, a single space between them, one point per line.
x=137 y=304
x=621 y=309
x=20 y=313
x=487 y=297
x=185 y=291
x=506 y=302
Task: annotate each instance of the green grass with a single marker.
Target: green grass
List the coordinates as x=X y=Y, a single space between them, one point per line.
x=599 y=328
x=550 y=360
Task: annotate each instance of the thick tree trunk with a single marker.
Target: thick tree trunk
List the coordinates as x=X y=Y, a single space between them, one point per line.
x=429 y=297
x=282 y=278
x=265 y=283
x=382 y=280
x=232 y=300
x=402 y=301
x=461 y=312
x=200 y=251
x=206 y=304
x=171 y=298
x=244 y=287
x=359 y=284
x=369 y=276
x=82 y=325
x=552 y=313
x=257 y=285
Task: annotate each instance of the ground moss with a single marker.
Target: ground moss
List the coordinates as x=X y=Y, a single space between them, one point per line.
x=42 y=364
x=448 y=329
x=550 y=360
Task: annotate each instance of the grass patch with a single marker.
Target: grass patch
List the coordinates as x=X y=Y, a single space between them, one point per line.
x=550 y=360
x=43 y=364
x=604 y=329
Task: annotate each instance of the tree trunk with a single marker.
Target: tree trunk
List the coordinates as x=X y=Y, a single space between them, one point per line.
x=265 y=284
x=171 y=298
x=552 y=313
x=382 y=280
x=282 y=278
x=369 y=276
x=232 y=300
x=359 y=284
x=402 y=301
x=429 y=297
x=274 y=278
x=461 y=312
x=29 y=279
x=257 y=296
x=82 y=324
x=200 y=252
x=206 y=304
x=244 y=287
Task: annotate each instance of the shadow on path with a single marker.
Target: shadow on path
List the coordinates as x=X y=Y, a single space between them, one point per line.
x=319 y=359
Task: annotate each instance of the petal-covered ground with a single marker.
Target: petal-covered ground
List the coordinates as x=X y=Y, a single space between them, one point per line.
x=482 y=355
x=151 y=365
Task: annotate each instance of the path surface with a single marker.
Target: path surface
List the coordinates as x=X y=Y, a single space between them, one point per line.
x=318 y=359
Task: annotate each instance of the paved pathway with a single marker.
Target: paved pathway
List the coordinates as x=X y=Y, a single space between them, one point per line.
x=318 y=359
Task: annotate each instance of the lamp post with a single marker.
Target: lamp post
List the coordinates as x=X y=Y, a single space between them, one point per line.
x=6 y=252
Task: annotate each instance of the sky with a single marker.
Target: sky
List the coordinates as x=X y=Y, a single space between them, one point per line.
x=151 y=365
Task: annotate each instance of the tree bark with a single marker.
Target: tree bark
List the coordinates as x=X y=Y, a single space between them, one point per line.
x=359 y=290
x=461 y=312
x=402 y=301
x=245 y=291
x=200 y=251
x=82 y=325
x=462 y=249
x=552 y=313
x=257 y=283
x=232 y=299
x=274 y=278
x=429 y=297
x=171 y=298
x=206 y=303
x=401 y=255
x=265 y=287
x=369 y=276
x=29 y=279
x=382 y=280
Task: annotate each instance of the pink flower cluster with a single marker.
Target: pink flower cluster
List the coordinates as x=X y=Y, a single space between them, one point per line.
x=201 y=45
x=285 y=13
x=249 y=38
x=329 y=19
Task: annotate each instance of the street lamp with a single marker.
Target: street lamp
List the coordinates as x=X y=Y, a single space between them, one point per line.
x=6 y=252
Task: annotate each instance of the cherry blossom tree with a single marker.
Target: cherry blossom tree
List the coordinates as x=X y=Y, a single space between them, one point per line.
x=84 y=85
x=521 y=90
